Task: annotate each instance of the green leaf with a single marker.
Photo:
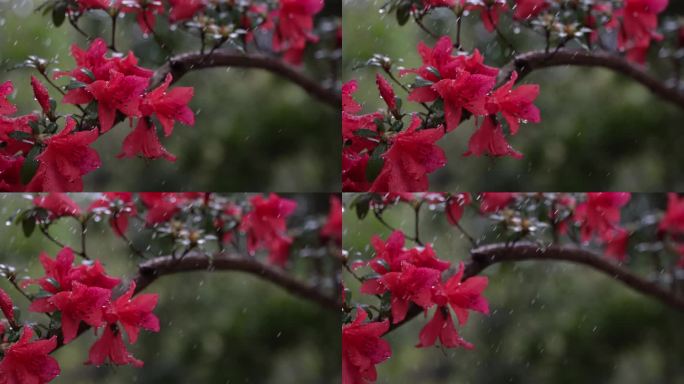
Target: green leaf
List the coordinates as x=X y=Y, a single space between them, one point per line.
x=59 y=14
x=374 y=166
x=88 y=73
x=20 y=135
x=421 y=82
x=75 y=84
x=434 y=71
x=362 y=204
x=28 y=170
x=365 y=133
x=28 y=225
x=403 y=13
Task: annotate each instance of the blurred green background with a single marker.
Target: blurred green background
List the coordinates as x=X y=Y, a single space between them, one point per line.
x=254 y=131
x=599 y=130
x=216 y=327
x=550 y=322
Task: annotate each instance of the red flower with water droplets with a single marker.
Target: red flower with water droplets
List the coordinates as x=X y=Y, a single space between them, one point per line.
x=350 y=105
x=527 y=9
x=144 y=11
x=411 y=156
x=465 y=91
x=144 y=141
x=673 y=221
x=351 y=123
x=441 y=326
x=119 y=205
x=6 y=306
x=93 y=4
x=386 y=92
x=119 y=93
x=411 y=285
x=455 y=206
x=169 y=106
x=266 y=227
x=161 y=206
x=495 y=201
x=27 y=362
x=6 y=108
x=41 y=94
x=332 y=230
x=182 y=10
x=354 y=171
x=515 y=104
x=363 y=349
x=81 y=303
x=66 y=158
x=600 y=213
x=10 y=173
x=111 y=347
x=135 y=314
x=489 y=12
x=294 y=27
x=616 y=241
x=637 y=26
x=57 y=204
x=463 y=295
x=489 y=139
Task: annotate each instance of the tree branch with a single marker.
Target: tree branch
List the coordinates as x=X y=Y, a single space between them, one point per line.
x=181 y=64
x=484 y=256
x=527 y=62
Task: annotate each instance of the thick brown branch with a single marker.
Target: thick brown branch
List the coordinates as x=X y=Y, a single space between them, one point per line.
x=181 y=64
x=483 y=257
x=155 y=268
x=161 y=266
x=530 y=61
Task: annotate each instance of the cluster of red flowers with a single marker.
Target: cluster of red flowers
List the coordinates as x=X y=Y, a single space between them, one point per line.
x=465 y=86
x=634 y=21
x=109 y=90
x=290 y=21
x=77 y=295
x=410 y=276
x=672 y=224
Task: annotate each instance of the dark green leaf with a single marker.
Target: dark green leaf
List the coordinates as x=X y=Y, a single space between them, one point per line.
x=365 y=133
x=59 y=14
x=28 y=225
x=28 y=170
x=403 y=13
x=75 y=84
x=20 y=135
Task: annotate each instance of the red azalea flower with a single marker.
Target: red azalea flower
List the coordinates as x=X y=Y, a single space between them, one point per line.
x=351 y=123
x=41 y=94
x=145 y=12
x=120 y=206
x=136 y=313
x=616 y=242
x=412 y=155
x=120 y=93
x=673 y=221
x=82 y=303
x=111 y=347
x=363 y=349
x=6 y=306
x=266 y=226
x=515 y=104
x=93 y=4
x=6 y=108
x=455 y=206
x=11 y=146
x=65 y=160
x=489 y=139
x=386 y=92
x=441 y=326
x=527 y=9
x=354 y=171
x=182 y=10
x=332 y=229
x=600 y=213
x=10 y=173
x=350 y=105
x=57 y=204
x=411 y=285
x=495 y=201
x=489 y=13
x=29 y=362
x=638 y=26
x=144 y=141
x=169 y=106
x=464 y=296
x=161 y=206
x=465 y=91
x=294 y=27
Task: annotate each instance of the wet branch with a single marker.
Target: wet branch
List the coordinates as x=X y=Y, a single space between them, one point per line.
x=181 y=64
x=487 y=255
x=525 y=63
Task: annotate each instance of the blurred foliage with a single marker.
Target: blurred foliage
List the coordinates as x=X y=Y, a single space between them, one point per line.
x=550 y=322
x=216 y=327
x=249 y=122
x=599 y=130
